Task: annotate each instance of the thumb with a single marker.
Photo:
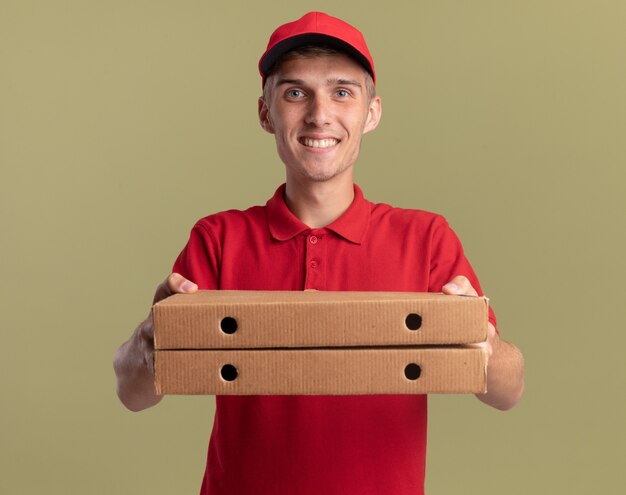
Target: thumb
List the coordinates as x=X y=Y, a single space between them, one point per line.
x=175 y=283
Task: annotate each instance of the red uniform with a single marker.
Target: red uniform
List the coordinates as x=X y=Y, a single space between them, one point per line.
x=321 y=445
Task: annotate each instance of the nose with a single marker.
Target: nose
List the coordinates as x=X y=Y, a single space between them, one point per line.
x=318 y=111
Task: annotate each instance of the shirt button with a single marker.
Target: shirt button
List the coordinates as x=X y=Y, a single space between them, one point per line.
x=314 y=264
x=313 y=239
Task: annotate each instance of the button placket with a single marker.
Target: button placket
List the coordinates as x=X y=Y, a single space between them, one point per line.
x=314 y=261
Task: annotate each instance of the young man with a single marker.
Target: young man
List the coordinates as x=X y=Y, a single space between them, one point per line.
x=318 y=232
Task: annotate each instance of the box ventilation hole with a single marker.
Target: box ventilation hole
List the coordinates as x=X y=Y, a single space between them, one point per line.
x=229 y=372
x=228 y=325
x=412 y=371
x=413 y=321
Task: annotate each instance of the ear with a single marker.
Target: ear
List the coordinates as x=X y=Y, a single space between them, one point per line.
x=374 y=113
x=264 y=116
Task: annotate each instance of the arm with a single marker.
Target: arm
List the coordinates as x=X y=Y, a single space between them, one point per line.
x=133 y=362
x=505 y=369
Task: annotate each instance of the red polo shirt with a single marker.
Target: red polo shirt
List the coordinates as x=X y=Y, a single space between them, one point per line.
x=321 y=445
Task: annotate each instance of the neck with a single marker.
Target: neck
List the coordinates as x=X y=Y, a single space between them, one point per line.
x=318 y=204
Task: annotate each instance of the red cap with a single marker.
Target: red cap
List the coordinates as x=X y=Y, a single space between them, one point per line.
x=312 y=29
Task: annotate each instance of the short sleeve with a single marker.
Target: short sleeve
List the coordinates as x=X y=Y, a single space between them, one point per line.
x=448 y=261
x=199 y=259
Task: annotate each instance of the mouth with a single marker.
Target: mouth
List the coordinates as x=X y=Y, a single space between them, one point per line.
x=318 y=143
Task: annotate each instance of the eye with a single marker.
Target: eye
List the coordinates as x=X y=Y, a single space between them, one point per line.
x=294 y=93
x=343 y=93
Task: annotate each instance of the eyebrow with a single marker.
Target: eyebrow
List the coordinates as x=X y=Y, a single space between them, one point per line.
x=344 y=82
x=297 y=82
x=329 y=82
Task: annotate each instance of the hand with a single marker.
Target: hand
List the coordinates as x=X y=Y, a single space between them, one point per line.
x=134 y=360
x=505 y=365
x=461 y=286
x=173 y=284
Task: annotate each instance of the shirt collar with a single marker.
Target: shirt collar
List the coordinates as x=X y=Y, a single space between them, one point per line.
x=352 y=225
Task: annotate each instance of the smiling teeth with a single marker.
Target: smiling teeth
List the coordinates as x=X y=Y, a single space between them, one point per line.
x=319 y=143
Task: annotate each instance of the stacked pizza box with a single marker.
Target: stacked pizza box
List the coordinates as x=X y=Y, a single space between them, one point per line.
x=327 y=343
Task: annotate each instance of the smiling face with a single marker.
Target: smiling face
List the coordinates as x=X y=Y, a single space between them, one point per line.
x=318 y=109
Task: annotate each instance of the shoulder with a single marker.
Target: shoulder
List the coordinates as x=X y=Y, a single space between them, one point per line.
x=385 y=214
x=232 y=219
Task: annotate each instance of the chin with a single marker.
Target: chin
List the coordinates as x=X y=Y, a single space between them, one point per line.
x=315 y=171
x=321 y=178
x=321 y=175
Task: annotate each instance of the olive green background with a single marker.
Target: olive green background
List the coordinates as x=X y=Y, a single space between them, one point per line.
x=123 y=122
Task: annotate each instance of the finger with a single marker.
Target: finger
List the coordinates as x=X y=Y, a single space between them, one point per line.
x=149 y=357
x=179 y=284
x=459 y=286
x=145 y=333
x=173 y=284
x=491 y=337
x=146 y=330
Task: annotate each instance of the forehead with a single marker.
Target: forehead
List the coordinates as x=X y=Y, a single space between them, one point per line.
x=322 y=66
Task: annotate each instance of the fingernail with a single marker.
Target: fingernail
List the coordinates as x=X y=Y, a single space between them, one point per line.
x=187 y=286
x=453 y=287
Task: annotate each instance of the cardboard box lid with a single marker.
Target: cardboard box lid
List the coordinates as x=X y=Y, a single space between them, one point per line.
x=297 y=319
x=404 y=370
